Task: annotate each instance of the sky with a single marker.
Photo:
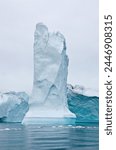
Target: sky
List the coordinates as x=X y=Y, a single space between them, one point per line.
x=77 y=20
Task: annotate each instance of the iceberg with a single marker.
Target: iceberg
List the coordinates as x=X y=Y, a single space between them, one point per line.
x=49 y=95
x=83 y=90
x=86 y=108
x=13 y=106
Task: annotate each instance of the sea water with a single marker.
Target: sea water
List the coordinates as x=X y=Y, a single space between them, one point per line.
x=49 y=134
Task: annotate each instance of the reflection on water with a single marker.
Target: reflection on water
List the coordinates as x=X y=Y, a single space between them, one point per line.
x=49 y=137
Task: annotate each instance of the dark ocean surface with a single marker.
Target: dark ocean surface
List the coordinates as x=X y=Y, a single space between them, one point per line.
x=49 y=134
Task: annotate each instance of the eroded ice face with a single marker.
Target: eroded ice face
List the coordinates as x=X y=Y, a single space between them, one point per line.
x=13 y=106
x=50 y=72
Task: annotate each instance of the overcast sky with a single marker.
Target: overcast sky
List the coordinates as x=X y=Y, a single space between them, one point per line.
x=76 y=19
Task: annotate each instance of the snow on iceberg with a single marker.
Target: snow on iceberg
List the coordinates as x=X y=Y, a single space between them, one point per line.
x=49 y=96
x=86 y=108
x=83 y=90
x=13 y=106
